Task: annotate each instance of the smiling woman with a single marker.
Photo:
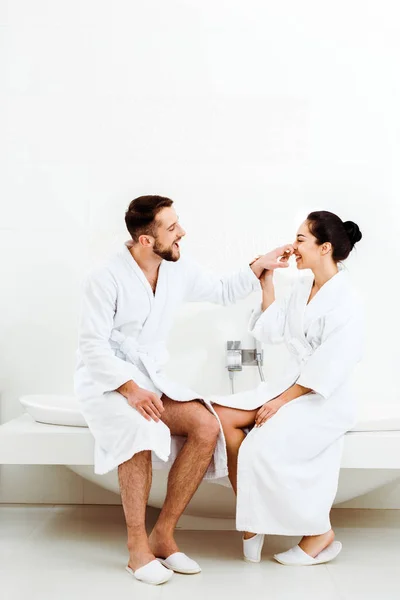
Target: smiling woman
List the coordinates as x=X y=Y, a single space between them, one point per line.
x=324 y=233
x=287 y=474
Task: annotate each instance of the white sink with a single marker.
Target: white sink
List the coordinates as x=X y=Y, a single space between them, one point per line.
x=54 y=409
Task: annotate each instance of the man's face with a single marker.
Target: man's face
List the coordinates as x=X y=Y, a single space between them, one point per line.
x=167 y=235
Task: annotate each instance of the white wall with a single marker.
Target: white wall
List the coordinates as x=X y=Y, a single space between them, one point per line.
x=248 y=114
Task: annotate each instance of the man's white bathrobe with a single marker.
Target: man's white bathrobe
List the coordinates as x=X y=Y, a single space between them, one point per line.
x=288 y=468
x=123 y=333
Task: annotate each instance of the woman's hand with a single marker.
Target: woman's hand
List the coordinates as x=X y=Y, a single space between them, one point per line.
x=266 y=278
x=268 y=410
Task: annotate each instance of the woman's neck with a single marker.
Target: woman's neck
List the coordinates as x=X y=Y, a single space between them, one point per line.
x=324 y=273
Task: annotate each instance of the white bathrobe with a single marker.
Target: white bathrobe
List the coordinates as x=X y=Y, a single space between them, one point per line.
x=288 y=468
x=122 y=337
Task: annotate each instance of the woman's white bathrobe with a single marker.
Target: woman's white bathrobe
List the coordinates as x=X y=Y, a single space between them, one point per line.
x=122 y=336
x=288 y=468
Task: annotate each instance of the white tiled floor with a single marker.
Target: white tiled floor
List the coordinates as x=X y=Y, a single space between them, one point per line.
x=73 y=552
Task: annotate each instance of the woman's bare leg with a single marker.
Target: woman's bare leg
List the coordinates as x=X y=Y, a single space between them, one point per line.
x=233 y=421
x=314 y=544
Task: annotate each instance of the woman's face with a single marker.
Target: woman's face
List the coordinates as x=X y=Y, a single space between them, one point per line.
x=306 y=250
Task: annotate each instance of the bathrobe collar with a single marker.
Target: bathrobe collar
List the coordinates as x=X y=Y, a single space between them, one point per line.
x=153 y=296
x=325 y=299
x=157 y=301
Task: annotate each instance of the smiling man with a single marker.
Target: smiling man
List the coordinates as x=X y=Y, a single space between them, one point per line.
x=131 y=408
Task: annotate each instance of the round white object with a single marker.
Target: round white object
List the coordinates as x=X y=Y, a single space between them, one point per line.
x=54 y=409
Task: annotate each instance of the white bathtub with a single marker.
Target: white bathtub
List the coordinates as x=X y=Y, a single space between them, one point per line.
x=371 y=455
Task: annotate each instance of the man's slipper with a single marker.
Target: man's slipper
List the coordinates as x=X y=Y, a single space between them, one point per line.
x=180 y=563
x=153 y=573
x=297 y=557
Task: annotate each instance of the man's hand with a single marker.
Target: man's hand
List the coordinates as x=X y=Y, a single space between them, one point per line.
x=146 y=403
x=276 y=259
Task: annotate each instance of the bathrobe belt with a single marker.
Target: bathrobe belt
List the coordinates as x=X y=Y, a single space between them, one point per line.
x=299 y=350
x=155 y=352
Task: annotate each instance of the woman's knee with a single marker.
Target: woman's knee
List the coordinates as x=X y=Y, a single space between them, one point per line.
x=224 y=414
x=232 y=418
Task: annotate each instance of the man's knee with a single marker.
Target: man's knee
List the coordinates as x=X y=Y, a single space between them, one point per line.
x=206 y=427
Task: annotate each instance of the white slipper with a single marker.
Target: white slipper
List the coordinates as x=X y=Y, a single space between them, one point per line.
x=180 y=563
x=297 y=557
x=152 y=573
x=252 y=548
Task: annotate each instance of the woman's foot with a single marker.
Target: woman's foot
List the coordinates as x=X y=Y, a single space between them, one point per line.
x=314 y=544
x=252 y=546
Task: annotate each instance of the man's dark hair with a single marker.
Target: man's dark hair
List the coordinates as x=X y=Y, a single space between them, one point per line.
x=140 y=218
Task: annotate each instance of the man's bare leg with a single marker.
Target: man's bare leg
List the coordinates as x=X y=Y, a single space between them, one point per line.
x=233 y=421
x=194 y=421
x=135 y=481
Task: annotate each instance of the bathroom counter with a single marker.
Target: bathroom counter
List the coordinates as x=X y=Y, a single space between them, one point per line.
x=24 y=441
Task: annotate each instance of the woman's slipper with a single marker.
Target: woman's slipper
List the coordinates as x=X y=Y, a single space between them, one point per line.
x=252 y=548
x=297 y=557
x=153 y=573
x=180 y=563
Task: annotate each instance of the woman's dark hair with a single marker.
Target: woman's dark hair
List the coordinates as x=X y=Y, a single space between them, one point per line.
x=328 y=227
x=141 y=214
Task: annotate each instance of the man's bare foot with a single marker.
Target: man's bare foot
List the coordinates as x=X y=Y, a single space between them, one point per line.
x=140 y=553
x=162 y=543
x=314 y=544
x=247 y=535
x=139 y=559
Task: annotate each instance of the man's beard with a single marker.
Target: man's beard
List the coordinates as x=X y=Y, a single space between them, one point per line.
x=166 y=253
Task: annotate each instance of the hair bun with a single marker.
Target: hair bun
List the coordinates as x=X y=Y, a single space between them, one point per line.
x=353 y=231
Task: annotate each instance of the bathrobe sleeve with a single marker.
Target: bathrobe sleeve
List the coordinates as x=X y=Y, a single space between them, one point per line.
x=269 y=326
x=205 y=286
x=96 y=323
x=340 y=350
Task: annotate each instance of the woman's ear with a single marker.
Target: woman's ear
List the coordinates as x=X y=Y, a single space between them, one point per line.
x=326 y=248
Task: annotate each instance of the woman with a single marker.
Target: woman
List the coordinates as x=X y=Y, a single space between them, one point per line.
x=286 y=473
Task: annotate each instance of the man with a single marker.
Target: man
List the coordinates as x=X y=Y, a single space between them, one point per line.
x=129 y=405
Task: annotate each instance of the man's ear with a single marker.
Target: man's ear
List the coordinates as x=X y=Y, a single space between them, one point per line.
x=146 y=241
